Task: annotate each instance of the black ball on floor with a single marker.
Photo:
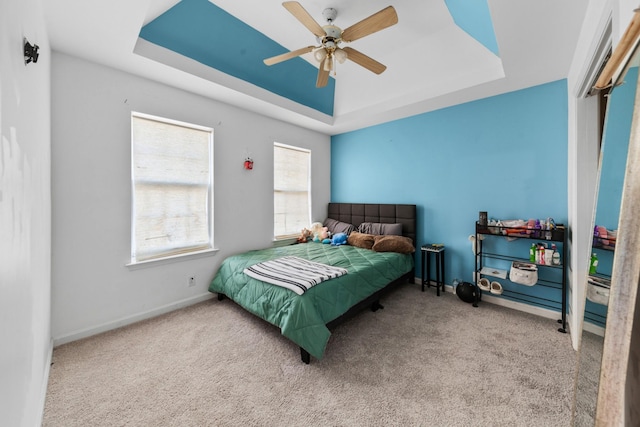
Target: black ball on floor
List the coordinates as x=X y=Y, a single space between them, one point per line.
x=467 y=292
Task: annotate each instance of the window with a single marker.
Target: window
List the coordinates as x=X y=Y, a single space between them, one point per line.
x=291 y=194
x=172 y=179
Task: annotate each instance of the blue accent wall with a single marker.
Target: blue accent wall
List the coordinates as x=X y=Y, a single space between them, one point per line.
x=506 y=155
x=615 y=147
x=202 y=31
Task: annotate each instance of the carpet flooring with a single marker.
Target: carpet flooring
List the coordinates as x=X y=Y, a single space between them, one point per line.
x=421 y=361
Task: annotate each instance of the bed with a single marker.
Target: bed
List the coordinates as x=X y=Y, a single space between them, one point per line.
x=307 y=319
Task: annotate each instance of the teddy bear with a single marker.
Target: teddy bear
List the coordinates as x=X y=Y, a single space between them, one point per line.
x=305 y=236
x=320 y=232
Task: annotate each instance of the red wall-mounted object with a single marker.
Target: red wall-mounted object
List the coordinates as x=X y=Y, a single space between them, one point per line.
x=248 y=164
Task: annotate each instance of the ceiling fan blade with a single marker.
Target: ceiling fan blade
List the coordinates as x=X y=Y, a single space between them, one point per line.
x=363 y=60
x=323 y=75
x=303 y=16
x=288 y=55
x=376 y=22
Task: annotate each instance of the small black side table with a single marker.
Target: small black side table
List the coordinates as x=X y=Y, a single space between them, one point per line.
x=438 y=250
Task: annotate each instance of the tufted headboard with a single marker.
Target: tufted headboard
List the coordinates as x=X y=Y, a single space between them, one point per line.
x=357 y=213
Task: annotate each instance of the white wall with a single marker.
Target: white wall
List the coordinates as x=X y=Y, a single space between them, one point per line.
x=622 y=14
x=25 y=215
x=92 y=289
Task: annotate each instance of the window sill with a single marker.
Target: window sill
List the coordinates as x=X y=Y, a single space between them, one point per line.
x=169 y=259
x=284 y=242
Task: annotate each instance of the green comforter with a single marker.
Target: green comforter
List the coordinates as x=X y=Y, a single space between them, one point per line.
x=303 y=318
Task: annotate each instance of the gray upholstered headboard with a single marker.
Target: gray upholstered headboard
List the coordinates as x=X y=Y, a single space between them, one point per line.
x=357 y=213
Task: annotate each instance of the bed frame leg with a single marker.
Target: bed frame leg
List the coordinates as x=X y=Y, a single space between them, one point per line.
x=375 y=306
x=305 y=356
x=220 y=296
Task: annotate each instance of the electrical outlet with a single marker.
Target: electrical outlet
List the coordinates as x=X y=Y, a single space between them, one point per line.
x=192 y=281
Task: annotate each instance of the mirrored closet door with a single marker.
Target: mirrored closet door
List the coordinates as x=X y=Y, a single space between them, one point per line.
x=606 y=217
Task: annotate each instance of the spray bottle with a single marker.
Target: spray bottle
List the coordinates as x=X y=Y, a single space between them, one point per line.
x=593 y=266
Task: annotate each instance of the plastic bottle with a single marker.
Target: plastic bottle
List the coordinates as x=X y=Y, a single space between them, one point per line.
x=593 y=266
x=548 y=256
x=555 y=259
x=532 y=253
x=454 y=285
x=547 y=227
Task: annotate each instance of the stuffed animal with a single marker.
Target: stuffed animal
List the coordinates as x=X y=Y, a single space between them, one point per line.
x=305 y=236
x=319 y=232
x=323 y=235
x=339 y=239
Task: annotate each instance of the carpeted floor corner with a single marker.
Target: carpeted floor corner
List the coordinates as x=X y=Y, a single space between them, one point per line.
x=421 y=361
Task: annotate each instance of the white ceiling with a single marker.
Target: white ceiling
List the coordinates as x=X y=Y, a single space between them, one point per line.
x=431 y=63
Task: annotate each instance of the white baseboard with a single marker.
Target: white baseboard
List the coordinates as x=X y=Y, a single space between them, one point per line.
x=84 y=333
x=594 y=329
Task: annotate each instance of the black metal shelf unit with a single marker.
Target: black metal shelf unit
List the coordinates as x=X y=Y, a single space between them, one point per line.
x=558 y=235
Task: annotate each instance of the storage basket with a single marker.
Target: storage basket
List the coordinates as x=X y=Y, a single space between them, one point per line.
x=523 y=273
x=597 y=294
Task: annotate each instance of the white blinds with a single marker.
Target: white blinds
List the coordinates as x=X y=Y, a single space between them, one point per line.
x=172 y=188
x=291 y=195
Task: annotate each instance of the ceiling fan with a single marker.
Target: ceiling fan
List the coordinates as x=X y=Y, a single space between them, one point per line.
x=329 y=36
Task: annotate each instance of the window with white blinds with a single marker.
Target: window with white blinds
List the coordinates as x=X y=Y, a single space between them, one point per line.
x=172 y=179
x=291 y=190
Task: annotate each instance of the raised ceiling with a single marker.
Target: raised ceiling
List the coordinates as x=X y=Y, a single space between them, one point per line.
x=441 y=52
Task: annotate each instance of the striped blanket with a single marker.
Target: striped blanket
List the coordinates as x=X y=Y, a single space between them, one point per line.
x=291 y=272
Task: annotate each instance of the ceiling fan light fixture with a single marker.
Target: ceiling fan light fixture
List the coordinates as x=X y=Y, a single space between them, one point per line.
x=320 y=54
x=340 y=55
x=328 y=63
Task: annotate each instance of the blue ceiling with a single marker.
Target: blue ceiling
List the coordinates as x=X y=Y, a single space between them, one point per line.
x=233 y=47
x=202 y=31
x=474 y=18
